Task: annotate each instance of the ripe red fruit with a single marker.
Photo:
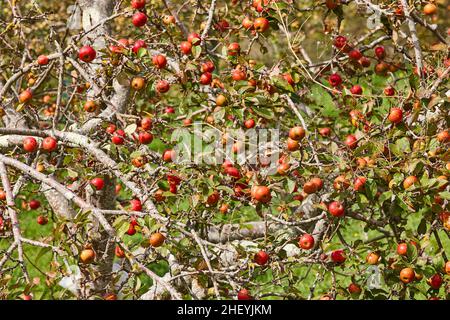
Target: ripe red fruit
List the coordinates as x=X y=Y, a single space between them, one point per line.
x=340 y=42
x=332 y=4
x=213 y=198
x=261 y=194
x=139 y=19
x=402 y=249
x=238 y=75
x=117 y=139
x=407 y=275
x=169 y=110
x=186 y=47
x=353 y=288
x=136 y=205
x=159 y=61
x=119 y=252
x=87 y=54
x=435 y=281
x=351 y=141
x=324 y=132
x=42 y=220
x=356 y=89
x=131 y=230
x=137 y=45
x=233 y=172
x=145 y=137
x=49 y=144
x=98 y=183
x=288 y=78
x=380 y=52
x=335 y=80
x=317 y=182
x=222 y=25
x=146 y=123
x=338 y=256
x=162 y=86
x=364 y=62
x=30 y=144
x=111 y=128
x=169 y=155
x=409 y=181
x=234 y=49
x=250 y=123
x=42 y=60
x=138 y=4
x=336 y=209
x=395 y=115
x=355 y=54
x=25 y=96
x=261 y=258
x=297 y=133
x=261 y=24
x=389 y=91
x=157 y=239
x=208 y=66
x=34 y=204
x=206 y=78
x=244 y=294
x=443 y=136
x=306 y=241
x=247 y=23
x=359 y=183
x=194 y=38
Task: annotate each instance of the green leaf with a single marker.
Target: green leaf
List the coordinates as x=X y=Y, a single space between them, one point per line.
x=323 y=99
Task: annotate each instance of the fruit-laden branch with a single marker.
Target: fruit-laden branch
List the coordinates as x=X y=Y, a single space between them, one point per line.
x=13 y=216
x=69 y=195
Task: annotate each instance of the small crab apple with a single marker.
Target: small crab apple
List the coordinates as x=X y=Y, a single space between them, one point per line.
x=49 y=144
x=169 y=155
x=244 y=294
x=364 y=62
x=119 y=252
x=429 y=9
x=306 y=241
x=98 y=183
x=443 y=136
x=249 y=123
x=407 y=275
x=234 y=49
x=324 y=132
x=138 y=45
x=409 y=181
x=353 y=288
x=194 y=38
x=247 y=23
x=335 y=80
x=356 y=89
x=351 y=141
x=206 y=78
x=30 y=144
x=261 y=194
x=355 y=54
x=136 y=205
x=395 y=115
x=380 y=52
x=157 y=239
x=332 y=4
x=160 y=61
x=42 y=60
x=42 y=220
x=146 y=123
x=145 y=137
x=162 y=86
x=297 y=133
x=186 y=47
x=87 y=256
x=25 y=96
x=261 y=24
x=111 y=128
x=402 y=249
x=168 y=20
x=238 y=75
x=87 y=54
x=131 y=230
x=373 y=258
x=292 y=145
x=340 y=42
x=139 y=19
x=317 y=182
x=34 y=204
x=338 y=256
x=90 y=106
x=359 y=183
x=389 y=91
x=261 y=258
x=336 y=209
x=137 y=4
x=117 y=139
x=435 y=281
x=208 y=66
